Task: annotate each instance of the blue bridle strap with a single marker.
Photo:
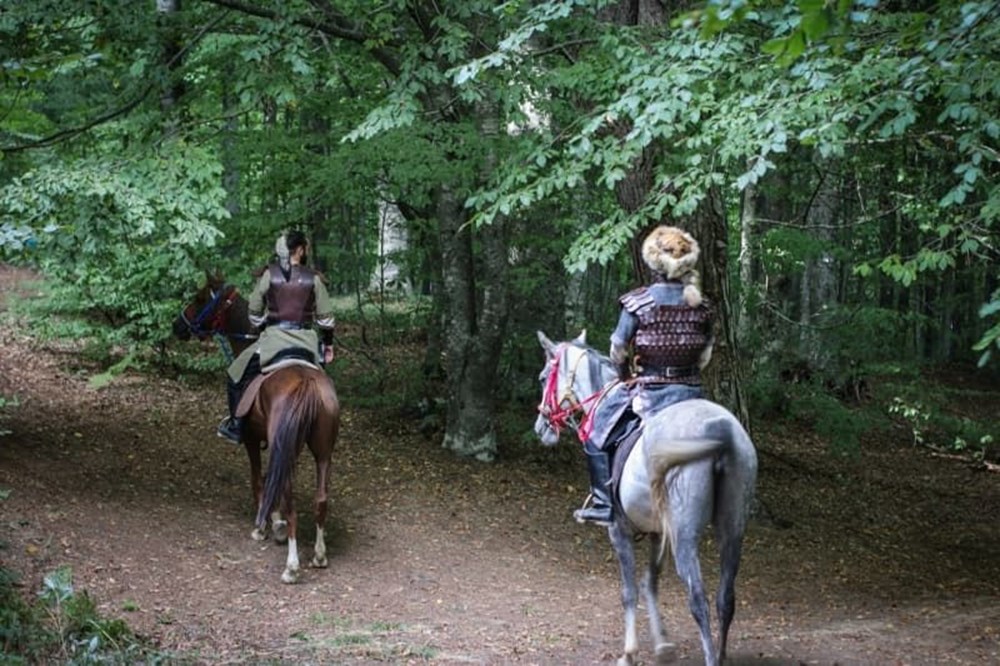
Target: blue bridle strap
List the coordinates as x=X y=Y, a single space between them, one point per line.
x=198 y=329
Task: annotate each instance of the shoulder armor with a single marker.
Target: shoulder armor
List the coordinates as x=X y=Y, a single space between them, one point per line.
x=636 y=300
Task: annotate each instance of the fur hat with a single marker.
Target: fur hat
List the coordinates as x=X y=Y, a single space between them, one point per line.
x=673 y=253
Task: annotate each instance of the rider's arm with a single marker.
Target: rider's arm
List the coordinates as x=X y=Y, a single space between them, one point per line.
x=621 y=338
x=324 y=310
x=324 y=318
x=257 y=303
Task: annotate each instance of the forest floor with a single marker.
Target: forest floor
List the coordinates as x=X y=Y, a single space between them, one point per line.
x=891 y=556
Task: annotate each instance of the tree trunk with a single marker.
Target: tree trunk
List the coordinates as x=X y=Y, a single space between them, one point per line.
x=168 y=14
x=748 y=217
x=230 y=159
x=473 y=336
x=723 y=378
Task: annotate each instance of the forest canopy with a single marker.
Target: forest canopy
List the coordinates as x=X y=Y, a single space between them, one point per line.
x=838 y=159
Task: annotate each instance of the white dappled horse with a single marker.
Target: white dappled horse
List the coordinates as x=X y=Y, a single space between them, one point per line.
x=693 y=465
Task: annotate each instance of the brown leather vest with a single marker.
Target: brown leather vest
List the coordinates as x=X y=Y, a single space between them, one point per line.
x=293 y=300
x=670 y=338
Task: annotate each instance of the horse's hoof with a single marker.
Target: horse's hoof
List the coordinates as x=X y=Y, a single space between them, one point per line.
x=258 y=534
x=626 y=660
x=319 y=562
x=280 y=532
x=289 y=576
x=666 y=653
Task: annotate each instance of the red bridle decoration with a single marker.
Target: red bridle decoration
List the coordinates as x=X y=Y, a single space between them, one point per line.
x=211 y=319
x=552 y=408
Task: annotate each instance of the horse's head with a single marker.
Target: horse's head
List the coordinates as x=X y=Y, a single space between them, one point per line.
x=572 y=378
x=203 y=316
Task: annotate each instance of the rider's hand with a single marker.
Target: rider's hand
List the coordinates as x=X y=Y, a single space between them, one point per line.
x=328 y=354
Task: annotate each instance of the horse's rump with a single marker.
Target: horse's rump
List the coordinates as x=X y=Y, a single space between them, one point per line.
x=696 y=444
x=292 y=404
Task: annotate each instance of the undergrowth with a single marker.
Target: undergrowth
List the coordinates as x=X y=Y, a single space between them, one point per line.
x=881 y=397
x=62 y=625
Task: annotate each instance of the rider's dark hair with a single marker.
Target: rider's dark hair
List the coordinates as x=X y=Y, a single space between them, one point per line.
x=295 y=239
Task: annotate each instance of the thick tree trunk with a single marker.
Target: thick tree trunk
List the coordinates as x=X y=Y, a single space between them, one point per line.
x=631 y=192
x=818 y=289
x=473 y=336
x=723 y=378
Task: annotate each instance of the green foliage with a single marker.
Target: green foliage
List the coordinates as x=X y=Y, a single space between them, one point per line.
x=63 y=626
x=81 y=634
x=991 y=338
x=809 y=400
x=934 y=428
x=23 y=635
x=116 y=239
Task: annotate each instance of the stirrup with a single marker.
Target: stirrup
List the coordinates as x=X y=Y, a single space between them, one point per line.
x=226 y=431
x=598 y=516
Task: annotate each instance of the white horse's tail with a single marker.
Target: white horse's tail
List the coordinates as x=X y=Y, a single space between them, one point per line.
x=661 y=455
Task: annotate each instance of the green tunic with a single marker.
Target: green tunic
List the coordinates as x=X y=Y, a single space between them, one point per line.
x=273 y=339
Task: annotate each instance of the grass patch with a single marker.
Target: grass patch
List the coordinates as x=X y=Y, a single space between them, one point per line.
x=340 y=639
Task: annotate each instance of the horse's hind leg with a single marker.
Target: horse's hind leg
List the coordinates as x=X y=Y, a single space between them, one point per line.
x=621 y=542
x=319 y=511
x=291 y=572
x=730 y=523
x=664 y=649
x=725 y=602
x=256 y=482
x=689 y=570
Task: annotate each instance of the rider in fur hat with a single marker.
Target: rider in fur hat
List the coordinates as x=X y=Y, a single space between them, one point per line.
x=662 y=341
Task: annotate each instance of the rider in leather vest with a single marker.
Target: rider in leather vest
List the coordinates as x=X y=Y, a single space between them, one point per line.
x=289 y=301
x=667 y=327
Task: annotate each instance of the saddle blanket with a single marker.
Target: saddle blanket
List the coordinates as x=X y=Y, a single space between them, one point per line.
x=250 y=394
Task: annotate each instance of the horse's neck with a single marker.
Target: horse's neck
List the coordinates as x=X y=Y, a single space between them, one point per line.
x=238 y=326
x=592 y=377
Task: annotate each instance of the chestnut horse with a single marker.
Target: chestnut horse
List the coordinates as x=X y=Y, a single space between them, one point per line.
x=296 y=405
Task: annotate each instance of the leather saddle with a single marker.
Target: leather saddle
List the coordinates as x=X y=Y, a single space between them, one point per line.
x=282 y=360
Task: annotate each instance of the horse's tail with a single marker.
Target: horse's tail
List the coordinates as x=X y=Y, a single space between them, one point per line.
x=292 y=427
x=661 y=456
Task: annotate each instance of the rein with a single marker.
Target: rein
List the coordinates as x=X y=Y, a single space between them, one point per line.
x=552 y=405
x=211 y=320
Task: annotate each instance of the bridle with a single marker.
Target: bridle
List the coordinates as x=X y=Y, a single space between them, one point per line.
x=211 y=318
x=560 y=410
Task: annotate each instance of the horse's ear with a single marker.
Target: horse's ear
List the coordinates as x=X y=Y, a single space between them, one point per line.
x=547 y=345
x=582 y=338
x=214 y=276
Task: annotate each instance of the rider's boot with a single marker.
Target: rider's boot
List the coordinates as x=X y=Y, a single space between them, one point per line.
x=231 y=427
x=598 y=508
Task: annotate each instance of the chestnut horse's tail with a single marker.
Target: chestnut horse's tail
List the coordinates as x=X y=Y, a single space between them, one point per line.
x=289 y=425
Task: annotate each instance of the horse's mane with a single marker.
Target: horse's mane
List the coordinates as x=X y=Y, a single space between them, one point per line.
x=588 y=349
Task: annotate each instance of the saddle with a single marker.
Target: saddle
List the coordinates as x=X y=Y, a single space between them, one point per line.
x=285 y=359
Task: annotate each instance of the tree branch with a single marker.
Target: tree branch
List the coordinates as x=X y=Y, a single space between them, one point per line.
x=67 y=134
x=336 y=25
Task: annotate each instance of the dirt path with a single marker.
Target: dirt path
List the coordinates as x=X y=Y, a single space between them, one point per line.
x=891 y=558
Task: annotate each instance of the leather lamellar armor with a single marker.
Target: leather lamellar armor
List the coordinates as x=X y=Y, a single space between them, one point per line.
x=670 y=338
x=291 y=300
